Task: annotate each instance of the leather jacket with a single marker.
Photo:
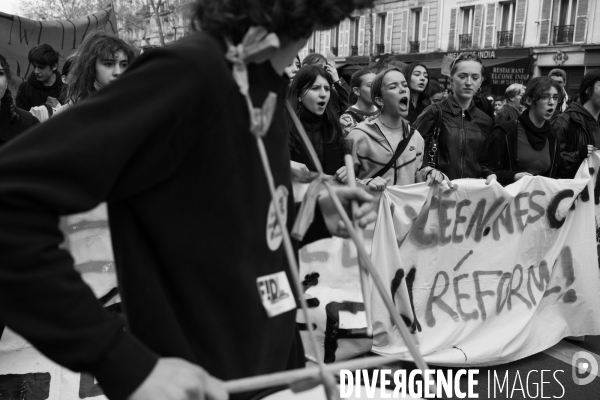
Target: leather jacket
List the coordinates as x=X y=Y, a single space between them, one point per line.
x=463 y=141
x=574 y=130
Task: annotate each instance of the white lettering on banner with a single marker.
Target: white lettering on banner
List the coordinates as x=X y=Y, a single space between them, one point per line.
x=274 y=236
x=275 y=293
x=474 y=272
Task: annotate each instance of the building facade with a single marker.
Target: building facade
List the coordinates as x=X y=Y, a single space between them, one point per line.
x=517 y=39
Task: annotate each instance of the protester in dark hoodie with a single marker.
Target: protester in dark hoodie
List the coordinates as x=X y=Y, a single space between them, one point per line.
x=577 y=128
x=43 y=82
x=528 y=146
x=13 y=120
x=310 y=96
x=190 y=263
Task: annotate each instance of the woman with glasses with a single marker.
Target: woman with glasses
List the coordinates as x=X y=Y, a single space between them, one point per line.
x=461 y=149
x=528 y=146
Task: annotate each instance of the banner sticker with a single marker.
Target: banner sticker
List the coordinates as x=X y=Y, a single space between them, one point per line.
x=275 y=293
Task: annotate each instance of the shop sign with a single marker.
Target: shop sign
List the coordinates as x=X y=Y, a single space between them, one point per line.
x=486 y=54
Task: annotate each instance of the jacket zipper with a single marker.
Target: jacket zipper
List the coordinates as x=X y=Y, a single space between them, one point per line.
x=464 y=136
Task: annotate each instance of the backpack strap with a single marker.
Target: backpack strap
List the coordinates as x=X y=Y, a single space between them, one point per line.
x=399 y=150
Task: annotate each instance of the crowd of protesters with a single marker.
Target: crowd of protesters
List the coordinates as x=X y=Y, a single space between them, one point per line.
x=402 y=125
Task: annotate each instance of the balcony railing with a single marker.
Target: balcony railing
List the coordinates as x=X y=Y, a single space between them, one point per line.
x=563 y=34
x=380 y=48
x=353 y=51
x=465 y=41
x=505 y=38
x=414 y=47
x=334 y=50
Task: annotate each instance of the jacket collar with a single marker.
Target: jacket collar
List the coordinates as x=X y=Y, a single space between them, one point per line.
x=456 y=109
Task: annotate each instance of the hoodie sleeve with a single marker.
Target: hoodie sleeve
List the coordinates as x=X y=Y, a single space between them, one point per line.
x=119 y=142
x=568 y=160
x=21 y=100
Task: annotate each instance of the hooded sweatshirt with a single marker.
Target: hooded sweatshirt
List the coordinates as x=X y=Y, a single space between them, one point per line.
x=34 y=93
x=372 y=150
x=192 y=256
x=575 y=128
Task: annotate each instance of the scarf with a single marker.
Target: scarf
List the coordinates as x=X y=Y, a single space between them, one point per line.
x=537 y=136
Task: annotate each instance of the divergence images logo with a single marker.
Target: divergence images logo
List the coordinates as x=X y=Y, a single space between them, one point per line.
x=584 y=364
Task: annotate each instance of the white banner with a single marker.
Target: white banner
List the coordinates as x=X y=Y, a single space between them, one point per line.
x=482 y=275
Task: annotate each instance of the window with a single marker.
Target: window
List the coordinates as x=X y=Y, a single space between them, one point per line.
x=381 y=34
x=416 y=17
x=565 y=21
x=358 y=47
x=507 y=16
x=467 y=22
x=567 y=12
x=466 y=37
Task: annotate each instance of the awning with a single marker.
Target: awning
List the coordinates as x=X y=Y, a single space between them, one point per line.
x=505 y=71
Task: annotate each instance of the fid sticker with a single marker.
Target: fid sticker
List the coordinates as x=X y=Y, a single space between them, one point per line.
x=274 y=235
x=275 y=293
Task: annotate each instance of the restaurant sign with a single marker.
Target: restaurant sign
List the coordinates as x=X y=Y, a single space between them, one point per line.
x=484 y=55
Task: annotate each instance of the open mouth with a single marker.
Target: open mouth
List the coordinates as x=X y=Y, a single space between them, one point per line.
x=321 y=104
x=404 y=102
x=550 y=111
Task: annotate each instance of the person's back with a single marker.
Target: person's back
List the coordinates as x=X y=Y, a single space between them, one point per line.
x=45 y=81
x=577 y=128
x=186 y=293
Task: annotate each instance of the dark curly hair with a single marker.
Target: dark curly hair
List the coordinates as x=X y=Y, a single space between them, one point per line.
x=7 y=100
x=536 y=88
x=82 y=72
x=290 y=18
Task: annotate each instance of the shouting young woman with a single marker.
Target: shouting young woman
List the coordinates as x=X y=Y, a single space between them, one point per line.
x=529 y=145
x=387 y=150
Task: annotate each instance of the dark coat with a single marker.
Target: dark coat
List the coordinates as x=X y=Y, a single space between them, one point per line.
x=463 y=142
x=507 y=113
x=189 y=258
x=414 y=112
x=574 y=131
x=33 y=93
x=10 y=129
x=504 y=149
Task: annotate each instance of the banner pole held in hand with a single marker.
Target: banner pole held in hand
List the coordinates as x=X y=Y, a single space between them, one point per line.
x=364 y=274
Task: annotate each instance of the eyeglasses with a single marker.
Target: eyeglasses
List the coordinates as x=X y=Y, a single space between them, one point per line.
x=547 y=97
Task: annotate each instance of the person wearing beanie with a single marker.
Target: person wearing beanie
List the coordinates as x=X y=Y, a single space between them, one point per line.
x=528 y=145
x=577 y=128
x=560 y=76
